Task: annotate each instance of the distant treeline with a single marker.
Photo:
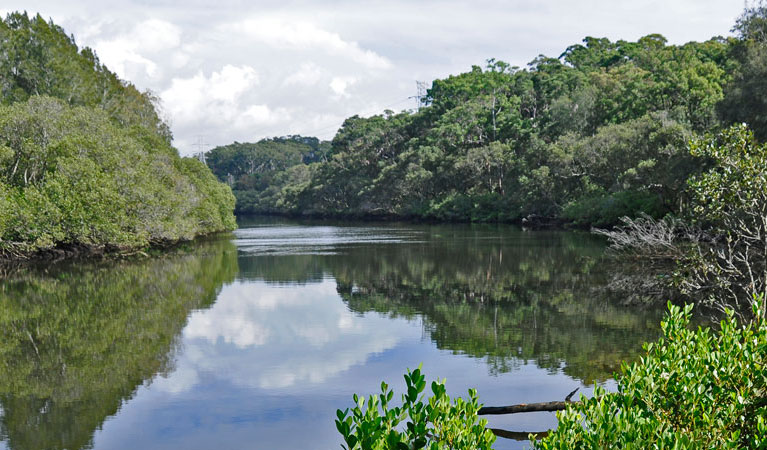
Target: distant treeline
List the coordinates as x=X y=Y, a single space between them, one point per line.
x=597 y=133
x=85 y=160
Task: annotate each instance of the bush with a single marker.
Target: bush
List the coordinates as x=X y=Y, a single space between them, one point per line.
x=694 y=389
x=433 y=424
x=719 y=251
x=607 y=210
x=730 y=201
x=71 y=176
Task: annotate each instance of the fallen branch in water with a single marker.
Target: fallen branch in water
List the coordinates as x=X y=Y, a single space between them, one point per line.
x=528 y=407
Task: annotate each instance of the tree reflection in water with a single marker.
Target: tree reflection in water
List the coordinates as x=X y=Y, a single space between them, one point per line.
x=77 y=340
x=493 y=292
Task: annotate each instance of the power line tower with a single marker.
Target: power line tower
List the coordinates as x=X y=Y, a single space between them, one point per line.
x=420 y=95
x=201 y=147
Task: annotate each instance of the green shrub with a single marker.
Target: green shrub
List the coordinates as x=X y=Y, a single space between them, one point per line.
x=606 y=210
x=432 y=424
x=694 y=389
x=73 y=176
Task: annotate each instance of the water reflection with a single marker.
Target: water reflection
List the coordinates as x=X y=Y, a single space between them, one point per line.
x=254 y=342
x=492 y=292
x=272 y=338
x=77 y=340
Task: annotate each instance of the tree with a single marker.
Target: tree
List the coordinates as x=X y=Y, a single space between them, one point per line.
x=745 y=99
x=730 y=200
x=72 y=176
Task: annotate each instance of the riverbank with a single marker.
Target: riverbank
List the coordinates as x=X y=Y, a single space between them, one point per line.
x=532 y=221
x=79 y=251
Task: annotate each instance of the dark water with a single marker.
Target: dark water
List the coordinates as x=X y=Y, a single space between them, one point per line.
x=252 y=341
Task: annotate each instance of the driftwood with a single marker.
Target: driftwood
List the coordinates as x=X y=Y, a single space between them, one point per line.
x=528 y=407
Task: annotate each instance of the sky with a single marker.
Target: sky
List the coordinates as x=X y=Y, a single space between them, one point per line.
x=237 y=70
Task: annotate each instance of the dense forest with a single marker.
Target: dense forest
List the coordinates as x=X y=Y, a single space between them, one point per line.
x=85 y=160
x=597 y=133
x=260 y=172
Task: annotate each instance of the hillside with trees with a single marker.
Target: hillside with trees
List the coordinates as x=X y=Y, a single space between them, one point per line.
x=86 y=162
x=258 y=172
x=597 y=133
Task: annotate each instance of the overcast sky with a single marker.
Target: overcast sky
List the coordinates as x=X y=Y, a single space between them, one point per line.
x=236 y=70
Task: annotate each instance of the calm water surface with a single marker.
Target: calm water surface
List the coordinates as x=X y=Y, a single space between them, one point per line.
x=253 y=340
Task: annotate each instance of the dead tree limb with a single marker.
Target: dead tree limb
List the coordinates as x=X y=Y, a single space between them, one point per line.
x=527 y=407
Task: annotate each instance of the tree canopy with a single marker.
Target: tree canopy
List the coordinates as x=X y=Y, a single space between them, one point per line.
x=587 y=137
x=85 y=159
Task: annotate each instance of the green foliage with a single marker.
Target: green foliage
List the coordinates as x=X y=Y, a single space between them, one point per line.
x=717 y=253
x=435 y=423
x=85 y=159
x=745 y=100
x=595 y=134
x=736 y=183
x=265 y=175
x=752 y=24
x=729 y=201
x=608 y=209
x=694 y=389
x=72 y=176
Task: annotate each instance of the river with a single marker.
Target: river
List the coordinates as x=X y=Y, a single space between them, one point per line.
x=252 y=340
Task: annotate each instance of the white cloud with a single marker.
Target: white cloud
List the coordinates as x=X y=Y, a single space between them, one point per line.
x=263 y=115
x=309 y=74
x=231 y=82
x=339 y=85
x=181 y=380
x=300 y=35
x=121 y=57
x=155 y=35
x=126 y=54
x=216 y=98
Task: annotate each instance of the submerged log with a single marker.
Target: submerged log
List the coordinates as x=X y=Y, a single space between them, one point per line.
x=528 y=407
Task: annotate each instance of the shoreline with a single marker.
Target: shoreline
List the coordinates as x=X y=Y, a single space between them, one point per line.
x=530 y=222
x=86 y=252
x=80 y=251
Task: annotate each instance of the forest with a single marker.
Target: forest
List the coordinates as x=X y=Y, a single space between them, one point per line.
x=661 y=148
x=597 y=133
x=86 y=162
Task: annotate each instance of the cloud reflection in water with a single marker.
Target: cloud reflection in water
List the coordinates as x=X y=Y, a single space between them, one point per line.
x=269 y=337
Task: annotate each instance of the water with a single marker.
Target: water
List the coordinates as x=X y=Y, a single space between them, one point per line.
x=253 y=340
